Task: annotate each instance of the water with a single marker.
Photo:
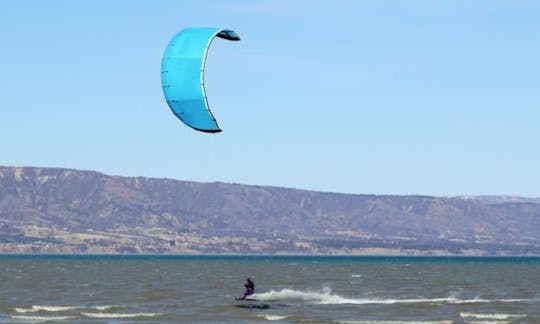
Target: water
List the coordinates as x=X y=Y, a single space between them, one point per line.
x=187 y=289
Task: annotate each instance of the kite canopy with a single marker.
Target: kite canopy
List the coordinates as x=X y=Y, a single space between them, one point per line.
x=182 y=76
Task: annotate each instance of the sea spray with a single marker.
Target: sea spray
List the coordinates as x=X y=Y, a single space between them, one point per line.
x=325 y=296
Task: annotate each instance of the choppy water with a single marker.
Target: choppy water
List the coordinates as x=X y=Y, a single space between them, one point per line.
x=193 y=289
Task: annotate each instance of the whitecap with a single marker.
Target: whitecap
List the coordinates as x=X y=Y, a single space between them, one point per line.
x=119 y=315
x=104 y=307
x=469 y=301
x=395 y=322
x=490 y=322
x=53 y=308
x=37 y=308
x=50 y=308
x=491 y=316
x=273 y=317
x=40 y=318
x=480 y=300
x=25 y=310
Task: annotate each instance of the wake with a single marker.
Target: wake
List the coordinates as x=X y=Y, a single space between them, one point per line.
x=326 y=297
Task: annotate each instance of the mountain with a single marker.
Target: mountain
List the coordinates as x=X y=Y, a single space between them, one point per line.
x=72 y=211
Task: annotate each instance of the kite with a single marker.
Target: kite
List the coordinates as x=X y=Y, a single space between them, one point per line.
x=182 y=76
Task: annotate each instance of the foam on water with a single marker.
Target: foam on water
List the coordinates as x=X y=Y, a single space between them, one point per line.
x=395 y=322
x=37 y=308
x=50 y=308
x=491 y=316
x=105 y=307
x=496 y=300
x=325 y=296
x=35 y=319
x=119 y=315
x=490 y=322
x=273 y=317
x=24 y=310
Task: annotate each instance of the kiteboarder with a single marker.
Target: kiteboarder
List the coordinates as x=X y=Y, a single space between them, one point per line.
x=250 y=288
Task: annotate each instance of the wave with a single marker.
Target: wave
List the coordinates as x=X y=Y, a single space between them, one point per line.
x=273 y=317
x=105 y=307
x=491 y=316
x=325 y=296
x=490 y=322
x=119 y=315
x=40 y=318
x=496 y=300
x=395 y=322
x=37 y=308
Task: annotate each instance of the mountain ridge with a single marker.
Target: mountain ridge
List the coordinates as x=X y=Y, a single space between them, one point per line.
x=89 y=211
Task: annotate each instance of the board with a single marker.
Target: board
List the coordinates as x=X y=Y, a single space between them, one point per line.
x=246 y=299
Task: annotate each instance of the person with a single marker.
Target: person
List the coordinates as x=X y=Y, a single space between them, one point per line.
x=250 y=288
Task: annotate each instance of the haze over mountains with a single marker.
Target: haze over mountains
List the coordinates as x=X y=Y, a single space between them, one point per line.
x=71 y=211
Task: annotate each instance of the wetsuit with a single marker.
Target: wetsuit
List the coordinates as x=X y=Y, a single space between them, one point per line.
x=250 y=288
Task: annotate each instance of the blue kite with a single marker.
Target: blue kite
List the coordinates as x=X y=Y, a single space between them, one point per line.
x=182 y=76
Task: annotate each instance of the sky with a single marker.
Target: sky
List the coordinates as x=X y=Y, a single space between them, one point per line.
x=429 y=97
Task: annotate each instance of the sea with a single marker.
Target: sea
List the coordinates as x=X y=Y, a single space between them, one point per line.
x=289 y=289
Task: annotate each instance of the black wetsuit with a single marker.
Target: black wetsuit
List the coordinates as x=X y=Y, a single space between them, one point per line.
x=250 y=288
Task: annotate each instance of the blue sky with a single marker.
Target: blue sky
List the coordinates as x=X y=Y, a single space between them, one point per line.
x=386 y=97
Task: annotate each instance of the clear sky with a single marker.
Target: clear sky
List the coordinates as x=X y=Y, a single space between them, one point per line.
x=386 y=97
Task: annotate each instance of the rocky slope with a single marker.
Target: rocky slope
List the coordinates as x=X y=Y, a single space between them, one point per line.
x=269 y=218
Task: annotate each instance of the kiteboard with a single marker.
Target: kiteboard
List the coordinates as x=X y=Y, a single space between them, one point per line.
x=250 y=303
x=246 y=299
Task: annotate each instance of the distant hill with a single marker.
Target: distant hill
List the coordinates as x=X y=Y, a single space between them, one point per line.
x=60 y=210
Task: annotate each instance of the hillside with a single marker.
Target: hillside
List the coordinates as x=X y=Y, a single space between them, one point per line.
x=60 y=210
